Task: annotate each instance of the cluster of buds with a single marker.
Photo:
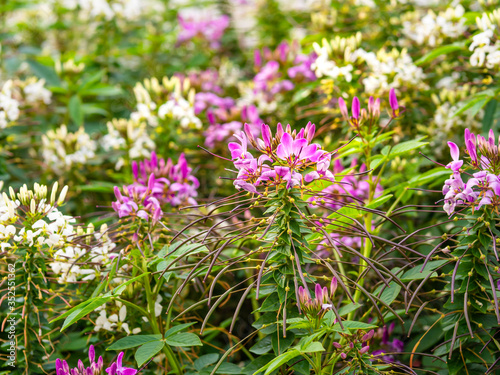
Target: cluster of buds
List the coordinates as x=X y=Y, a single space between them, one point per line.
x=322 y=301
x=116 y=368
x=289 y=154
x=360 y=115
x=356 y=344
x=484 y=186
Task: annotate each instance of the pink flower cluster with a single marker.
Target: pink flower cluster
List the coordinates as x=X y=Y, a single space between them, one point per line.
x=279 y=71
x=211 y=30
x=156 y=182
x=283 y=158
x=116 y=368
x=483 y=188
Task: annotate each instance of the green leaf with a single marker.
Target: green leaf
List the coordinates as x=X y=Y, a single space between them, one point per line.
x=281 y=344
x=43 y=71
x=75 y=110
x=184 y=339
x=349 y=324
x=312 y=347
x=489 y=115
x=119 y=289
x=390 y=293
x=91 y=79
x=405 y=147
x=83 y=311
x=205 y=360
x=476 y=103
x=227 y=368
x=262 y=347
x=178 y=328
x=415 y=274
x=443 y=50
x=379 y=201
x=278 y=361
x=148 y=351
x=344 y=310
x=102 y=91
x=190 y=249
x=133 y=341
x=93 y=109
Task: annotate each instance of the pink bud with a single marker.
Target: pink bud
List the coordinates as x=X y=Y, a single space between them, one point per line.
x=257 y=58
x=356 y=107
x=91 y=353
x=364 y=350
x=333 y=287
x=368 y=336
x=343 y=355
x=337 y=345
x=343 y=108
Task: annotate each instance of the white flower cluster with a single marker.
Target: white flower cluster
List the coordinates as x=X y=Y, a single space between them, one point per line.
x=130 y=136
x=181 y=110
x=170 y=101
x=31 y=219
x=73 y=261
x=34 y=91
x=433 y=28
x=387 y=70
x=486 y=44
x=62 y=150
x=9 y=107
x=117 y=319
x=325 y=66
x=116 y=322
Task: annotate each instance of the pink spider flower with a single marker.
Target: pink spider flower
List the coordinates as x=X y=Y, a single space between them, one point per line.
x=116 y=368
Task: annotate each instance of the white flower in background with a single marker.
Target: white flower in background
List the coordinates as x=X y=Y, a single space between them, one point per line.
x=433 y=28
x=74 y=262
x=35 y=91
x=9 y=107
x=181 y=110
x=324 y=67
x=389 y=69
x=30 y=218
x=129 y=136
x=116 y=322
x=486 y=44
x=158 y=306
x=62 y=150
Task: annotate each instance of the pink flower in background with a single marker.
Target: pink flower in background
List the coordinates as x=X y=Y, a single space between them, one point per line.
x=211 y=30
x=156 y=182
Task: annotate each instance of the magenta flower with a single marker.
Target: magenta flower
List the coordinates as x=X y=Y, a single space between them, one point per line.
x=393 y=102
x=456 y=164
x=115 y=368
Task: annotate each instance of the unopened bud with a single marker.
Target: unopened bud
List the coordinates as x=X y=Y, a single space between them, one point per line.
x=364 y=350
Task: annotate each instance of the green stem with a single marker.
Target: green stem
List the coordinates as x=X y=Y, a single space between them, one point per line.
x=154 y=324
